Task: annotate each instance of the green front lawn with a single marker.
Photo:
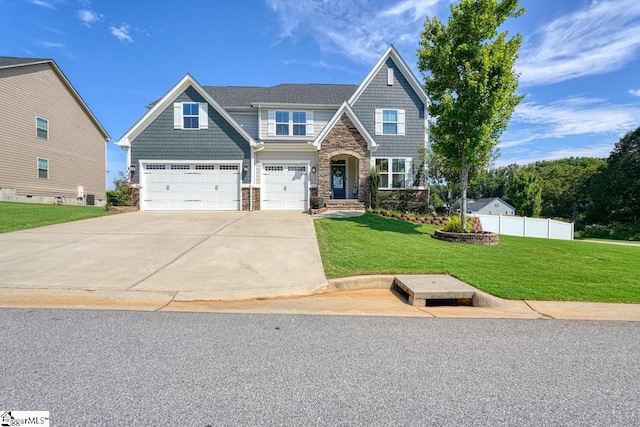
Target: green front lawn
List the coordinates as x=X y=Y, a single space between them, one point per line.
x=517 y=268
x=19 y=216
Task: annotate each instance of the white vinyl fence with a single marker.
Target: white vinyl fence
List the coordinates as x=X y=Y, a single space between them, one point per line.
x=527 y=227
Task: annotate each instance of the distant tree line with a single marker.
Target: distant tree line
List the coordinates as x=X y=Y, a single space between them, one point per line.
x=602 y=196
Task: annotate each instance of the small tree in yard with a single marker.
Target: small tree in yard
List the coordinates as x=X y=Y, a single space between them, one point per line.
x=468 y=70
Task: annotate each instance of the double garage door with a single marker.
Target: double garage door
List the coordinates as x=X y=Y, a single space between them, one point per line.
x=181 y=186
x=284 y=187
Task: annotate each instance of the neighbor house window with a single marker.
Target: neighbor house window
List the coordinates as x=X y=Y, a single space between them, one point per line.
x=43 y=168
x=394 y=172
x=282 y=123
x=190 y=116
x=290 y=123
x=42 y=128
x=389 y=121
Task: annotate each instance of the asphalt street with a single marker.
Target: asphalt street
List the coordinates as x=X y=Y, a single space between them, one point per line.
x=198 y=369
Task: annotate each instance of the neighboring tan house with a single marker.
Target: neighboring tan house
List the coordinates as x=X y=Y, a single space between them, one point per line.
x=52 y=147
x=491 y=206
x=249 y=148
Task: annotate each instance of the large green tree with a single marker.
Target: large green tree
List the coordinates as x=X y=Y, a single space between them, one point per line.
x=468 y=67
x=617 y=187
x=525 y=193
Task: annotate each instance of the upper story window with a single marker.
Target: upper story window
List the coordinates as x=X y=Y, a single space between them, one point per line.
x=389 y=121
x=299 y=123
x=290 y=123
x=42 y=128
x=43 y=168
x=282 y=123
x=190 y=115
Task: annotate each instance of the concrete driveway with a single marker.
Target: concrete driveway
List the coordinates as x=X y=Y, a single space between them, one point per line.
x=187 y=255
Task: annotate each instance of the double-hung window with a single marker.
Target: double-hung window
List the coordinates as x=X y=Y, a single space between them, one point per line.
x=394 y=172
x=43 y=168
x=190 y=115
x=42 y=128
x=282 y=123
x=299 y=123
x=290 y=123
x=389 y=121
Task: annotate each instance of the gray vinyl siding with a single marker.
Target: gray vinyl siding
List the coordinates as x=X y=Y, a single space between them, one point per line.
x=75 y=147
x=160 y=141
x=248 y=121
x=399 y=96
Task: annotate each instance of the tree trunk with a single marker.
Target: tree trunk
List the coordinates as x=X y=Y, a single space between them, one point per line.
x=464 y=183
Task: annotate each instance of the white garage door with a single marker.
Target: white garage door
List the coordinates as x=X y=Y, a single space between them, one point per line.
x=173 y=187
x=284 y=187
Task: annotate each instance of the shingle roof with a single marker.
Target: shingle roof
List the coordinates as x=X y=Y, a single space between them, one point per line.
x=290 y=93
x=480 y=203
x=10 y=61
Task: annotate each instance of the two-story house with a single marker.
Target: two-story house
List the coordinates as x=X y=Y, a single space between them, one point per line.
x=52 y=147
x=248 y=148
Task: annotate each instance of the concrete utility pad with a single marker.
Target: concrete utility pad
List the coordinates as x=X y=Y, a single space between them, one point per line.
x=421 y=288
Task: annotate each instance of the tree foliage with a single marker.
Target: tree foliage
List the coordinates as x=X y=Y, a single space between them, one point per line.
x=468 y=67
x=525 y=193
x=617 y=186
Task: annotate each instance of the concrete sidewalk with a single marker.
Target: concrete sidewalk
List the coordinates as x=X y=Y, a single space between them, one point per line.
x=335 y=300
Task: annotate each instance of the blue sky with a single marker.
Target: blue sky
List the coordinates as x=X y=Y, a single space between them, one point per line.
x=579 y=61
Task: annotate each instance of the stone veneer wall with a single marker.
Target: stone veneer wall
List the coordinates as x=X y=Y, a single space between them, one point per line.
x=344 y=138
x=246 y=201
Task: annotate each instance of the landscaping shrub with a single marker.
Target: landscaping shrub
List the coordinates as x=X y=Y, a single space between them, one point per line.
x=455 y=225
x=123 y=195
x=317 y=202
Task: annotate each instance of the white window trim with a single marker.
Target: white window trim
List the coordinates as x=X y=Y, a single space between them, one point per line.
x=408 y=172
x=379 y=124
x=178 y=117
x=38 y=167
x=271 y=123
x=37 y=128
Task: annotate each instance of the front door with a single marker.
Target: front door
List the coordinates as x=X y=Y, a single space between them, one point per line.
x=338 y=182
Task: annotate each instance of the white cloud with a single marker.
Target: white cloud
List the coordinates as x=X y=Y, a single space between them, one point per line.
x=122 y=33
x=598 y=39
x=569 y=117
x=48 y=44
x=43 y=3
x=600 y=149
x=88 y=17
x=634 y=92
x=358 y=29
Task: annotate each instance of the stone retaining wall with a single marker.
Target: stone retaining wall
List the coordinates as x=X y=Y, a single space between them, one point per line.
x=488 y=239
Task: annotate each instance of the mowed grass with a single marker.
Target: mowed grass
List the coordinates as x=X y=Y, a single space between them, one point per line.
x=20 y=216
x=517 y=268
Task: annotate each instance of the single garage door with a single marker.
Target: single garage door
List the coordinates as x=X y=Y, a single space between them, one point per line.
x=173 y=187
x=284 y=186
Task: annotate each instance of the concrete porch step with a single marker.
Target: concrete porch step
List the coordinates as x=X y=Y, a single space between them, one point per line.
x=435 y=289
x=344 y=205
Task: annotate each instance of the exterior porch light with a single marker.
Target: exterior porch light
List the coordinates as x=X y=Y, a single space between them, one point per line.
x=313 y=169
x=245 y=169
